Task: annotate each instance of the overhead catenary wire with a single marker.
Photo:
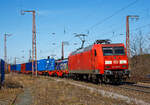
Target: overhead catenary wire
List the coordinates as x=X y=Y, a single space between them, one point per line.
x=123 y=33
x=140 y=27
x=109 y=17
x=115 y=13
x=115 y=35
x=93 y=11
x=143 y=26
x=116 y=28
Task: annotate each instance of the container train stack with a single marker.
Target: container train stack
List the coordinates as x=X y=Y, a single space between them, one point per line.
x=44 y=66
x=2 y=72
x=100 y=62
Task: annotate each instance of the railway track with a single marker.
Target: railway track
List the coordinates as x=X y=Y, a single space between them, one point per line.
x=105 y=93
x=129 y=86
x=133 y=86
x=146 y=81
x=136 y=87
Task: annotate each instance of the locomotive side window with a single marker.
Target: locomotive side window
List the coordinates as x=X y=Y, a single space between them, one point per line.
x=107 y=51
x=119 y=51
x=95 y=52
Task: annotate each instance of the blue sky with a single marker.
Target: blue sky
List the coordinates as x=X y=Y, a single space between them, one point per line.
x=75 y=16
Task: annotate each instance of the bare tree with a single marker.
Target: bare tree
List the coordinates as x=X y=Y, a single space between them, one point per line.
x=138 y=45
x=140 y=52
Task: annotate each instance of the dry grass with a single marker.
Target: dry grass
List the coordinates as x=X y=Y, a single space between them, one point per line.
x=10 y=91
x=140 y=67
x=110 y=88
x=61 y=93
x=46 y=91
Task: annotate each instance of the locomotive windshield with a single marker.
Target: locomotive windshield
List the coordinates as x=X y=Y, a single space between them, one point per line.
x=113 y=51
x=107 y=50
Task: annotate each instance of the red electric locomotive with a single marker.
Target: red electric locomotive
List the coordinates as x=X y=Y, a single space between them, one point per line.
x=101 y=61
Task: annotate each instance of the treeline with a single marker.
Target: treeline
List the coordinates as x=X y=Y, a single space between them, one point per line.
x=140 y=56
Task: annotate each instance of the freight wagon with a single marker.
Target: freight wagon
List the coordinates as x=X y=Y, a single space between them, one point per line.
x=18 y=68
x=23 y=68
x=28 y=67
x=45 y=66
x=2 y=72
x=13 y=68
x=61 y=67
x=9 y=68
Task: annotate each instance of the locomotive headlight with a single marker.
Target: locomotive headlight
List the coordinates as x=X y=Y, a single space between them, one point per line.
x=123 y=61
x=108 y=62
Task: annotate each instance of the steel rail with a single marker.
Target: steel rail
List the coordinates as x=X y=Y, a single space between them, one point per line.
x=139 y=90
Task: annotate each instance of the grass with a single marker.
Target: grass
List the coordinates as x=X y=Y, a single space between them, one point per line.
x=10 y=91
x=46 y=91
x=140 y=67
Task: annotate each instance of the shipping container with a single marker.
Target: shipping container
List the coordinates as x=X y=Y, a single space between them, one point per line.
x=23 y=68
x=61 y=67
x=29 y=66
x=2 y=72
x=9 y=68
x=46 y=65
x=18 y=67
x=62 y=64
x=13 y=67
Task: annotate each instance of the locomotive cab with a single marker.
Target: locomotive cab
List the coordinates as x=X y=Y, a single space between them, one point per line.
x=115 y=62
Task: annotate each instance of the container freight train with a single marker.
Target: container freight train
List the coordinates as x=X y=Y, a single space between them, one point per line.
x=100 y=62
x=44 y=66
x=49 y=67
x=2 y=72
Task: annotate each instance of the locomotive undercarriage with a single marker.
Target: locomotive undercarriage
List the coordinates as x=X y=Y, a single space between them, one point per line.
x=115 y=76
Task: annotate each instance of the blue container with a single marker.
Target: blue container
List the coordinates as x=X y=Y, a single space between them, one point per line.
x=13 y=67
x=62 y=64
x=46 y=65
x=29 y=66
x=2 y=72
x=18 y=67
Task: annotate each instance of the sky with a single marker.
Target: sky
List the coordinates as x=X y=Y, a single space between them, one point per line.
x=99 y=19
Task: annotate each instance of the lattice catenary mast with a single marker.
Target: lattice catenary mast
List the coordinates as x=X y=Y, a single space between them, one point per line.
x=34 y=54
x=128 y=33
x=5 y=49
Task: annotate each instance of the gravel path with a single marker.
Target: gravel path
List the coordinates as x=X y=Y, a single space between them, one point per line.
x=25 y=98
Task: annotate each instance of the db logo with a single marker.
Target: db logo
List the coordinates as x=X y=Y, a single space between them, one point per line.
x=115 y=61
